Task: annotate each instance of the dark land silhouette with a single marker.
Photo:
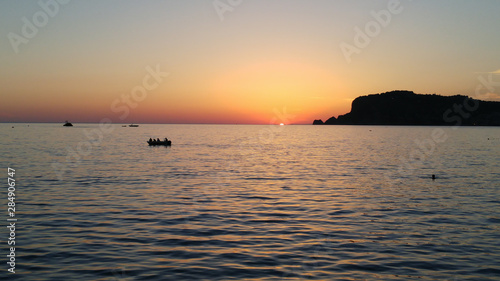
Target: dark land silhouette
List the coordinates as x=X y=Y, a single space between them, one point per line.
x=408 y=108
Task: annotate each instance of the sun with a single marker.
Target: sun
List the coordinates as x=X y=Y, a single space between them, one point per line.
x=282 y=124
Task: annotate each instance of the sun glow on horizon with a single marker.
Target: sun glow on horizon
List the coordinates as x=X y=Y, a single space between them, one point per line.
x=261 y=87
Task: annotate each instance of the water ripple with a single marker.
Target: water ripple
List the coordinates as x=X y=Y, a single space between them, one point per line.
x=298 y=208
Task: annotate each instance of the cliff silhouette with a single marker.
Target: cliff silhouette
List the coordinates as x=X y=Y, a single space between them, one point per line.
x=408 y=108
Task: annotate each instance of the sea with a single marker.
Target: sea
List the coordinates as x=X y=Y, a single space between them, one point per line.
x=249 y=202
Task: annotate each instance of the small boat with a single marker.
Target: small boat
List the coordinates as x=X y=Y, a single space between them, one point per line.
x=165 y=142
x=67 y=124
x=133 y=125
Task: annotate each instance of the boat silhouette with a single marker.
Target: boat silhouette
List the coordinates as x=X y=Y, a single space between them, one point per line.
x=165 y=142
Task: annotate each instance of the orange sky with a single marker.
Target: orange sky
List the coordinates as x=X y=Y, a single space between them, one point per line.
x=241 y=67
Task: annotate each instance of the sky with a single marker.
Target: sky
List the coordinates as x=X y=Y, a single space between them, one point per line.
x=237 y=61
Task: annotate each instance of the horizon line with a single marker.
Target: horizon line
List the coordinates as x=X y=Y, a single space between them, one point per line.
x=127 y=123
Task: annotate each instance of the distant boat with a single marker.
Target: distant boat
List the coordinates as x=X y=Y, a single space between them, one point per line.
x=68 y=124
x=124 y=125
x=132 y=125
x=166 y=142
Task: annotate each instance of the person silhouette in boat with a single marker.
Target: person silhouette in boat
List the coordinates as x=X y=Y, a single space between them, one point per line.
x=158 y=139
x=166 y=140
x=150 y=140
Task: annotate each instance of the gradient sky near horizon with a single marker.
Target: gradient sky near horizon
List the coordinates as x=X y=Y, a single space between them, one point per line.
x=241 y=66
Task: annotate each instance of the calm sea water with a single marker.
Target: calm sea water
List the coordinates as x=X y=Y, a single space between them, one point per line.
x=253 y=203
